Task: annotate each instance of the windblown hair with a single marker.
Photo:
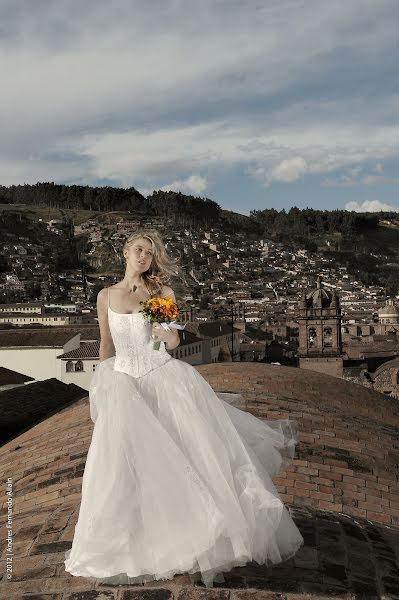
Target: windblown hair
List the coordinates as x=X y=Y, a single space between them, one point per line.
x=162 y=268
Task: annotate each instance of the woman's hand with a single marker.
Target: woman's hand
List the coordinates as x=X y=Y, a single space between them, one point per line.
x=171 y=337
x=159 y=332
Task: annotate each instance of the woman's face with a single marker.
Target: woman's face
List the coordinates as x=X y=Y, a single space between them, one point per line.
x=139 y=255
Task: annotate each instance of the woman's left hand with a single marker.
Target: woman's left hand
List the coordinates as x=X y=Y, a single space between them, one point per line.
x=160 y=333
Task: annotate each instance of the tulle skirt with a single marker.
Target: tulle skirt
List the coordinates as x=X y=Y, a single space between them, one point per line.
x=178 y=480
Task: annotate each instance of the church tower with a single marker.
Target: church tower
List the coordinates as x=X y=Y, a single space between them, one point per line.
x=320 y=341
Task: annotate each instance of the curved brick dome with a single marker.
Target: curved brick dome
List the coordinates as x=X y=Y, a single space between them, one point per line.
x=342 y=491
x=348 y=456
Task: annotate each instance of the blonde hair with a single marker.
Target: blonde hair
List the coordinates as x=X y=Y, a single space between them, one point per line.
x=162 y=268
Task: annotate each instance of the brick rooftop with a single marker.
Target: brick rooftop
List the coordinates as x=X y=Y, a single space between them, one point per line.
x=342 y=491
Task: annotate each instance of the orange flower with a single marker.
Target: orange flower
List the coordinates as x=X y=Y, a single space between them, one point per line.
x=157 y=307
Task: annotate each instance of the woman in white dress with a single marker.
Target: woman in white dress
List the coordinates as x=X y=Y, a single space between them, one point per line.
x=177 y=480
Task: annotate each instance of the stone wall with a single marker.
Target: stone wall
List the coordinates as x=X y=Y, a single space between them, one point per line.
x=331 y=365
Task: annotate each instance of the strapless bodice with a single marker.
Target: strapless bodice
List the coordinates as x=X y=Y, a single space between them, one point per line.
x=134 y=352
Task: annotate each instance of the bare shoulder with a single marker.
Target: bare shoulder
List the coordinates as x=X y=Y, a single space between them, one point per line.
x=167 y=291
x=103 y=293
x=102 y=296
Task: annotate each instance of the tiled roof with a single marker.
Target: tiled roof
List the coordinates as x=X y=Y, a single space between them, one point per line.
x=215 y=328
x=21 y=313
x=188 y=337
x=16 y=305
x=49 y=337
x=91 y=350
x=88 y=332
x=255 y=346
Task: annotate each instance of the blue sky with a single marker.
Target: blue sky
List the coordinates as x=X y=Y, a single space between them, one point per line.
x=254 y=104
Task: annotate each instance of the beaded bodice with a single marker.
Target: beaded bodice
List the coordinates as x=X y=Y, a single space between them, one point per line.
x=134 y=352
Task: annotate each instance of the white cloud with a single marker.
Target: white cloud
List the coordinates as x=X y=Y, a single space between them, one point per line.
x=378 y=179
x=289 y=170
x=96 y=91
x=352 y=179
x=150 y=156
x=370 y=206
x=193 y=185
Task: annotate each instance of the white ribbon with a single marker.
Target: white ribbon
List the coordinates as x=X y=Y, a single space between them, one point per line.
x=172 y=325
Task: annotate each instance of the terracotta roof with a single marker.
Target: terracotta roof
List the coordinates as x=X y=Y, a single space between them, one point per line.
x=340 y=490
x=187 y=337
x=22 y=305
x=91 y=350
x=7 y=377
x=20 y=313
x=49 y=337
x=88 y=332
x=254 y=346
x=215 y=328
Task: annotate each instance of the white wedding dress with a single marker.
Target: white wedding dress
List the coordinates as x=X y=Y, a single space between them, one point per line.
x=177 y=480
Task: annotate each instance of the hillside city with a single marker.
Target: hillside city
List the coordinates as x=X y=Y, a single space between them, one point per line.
x=239 y=294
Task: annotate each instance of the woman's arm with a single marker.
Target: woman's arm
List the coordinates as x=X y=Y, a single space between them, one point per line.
x=107 y=348
x=173 y=339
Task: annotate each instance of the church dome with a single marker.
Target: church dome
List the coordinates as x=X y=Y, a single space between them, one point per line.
x=319 y=297
x=346 y=455
x=389 y=310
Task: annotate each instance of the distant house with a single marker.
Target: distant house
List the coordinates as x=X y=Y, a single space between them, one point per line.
x=34 y=352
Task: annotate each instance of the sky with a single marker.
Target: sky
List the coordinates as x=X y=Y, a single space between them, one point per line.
x=253 y=103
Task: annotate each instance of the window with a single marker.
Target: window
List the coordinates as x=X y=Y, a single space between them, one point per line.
x=79 y=366
x=328 y=337
x=69 y=366
x=312 y=337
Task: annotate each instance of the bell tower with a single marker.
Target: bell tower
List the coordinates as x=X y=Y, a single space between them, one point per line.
x=320 y=341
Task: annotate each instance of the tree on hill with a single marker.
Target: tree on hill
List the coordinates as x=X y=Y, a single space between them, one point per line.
x=192 y=210
x=74 y=197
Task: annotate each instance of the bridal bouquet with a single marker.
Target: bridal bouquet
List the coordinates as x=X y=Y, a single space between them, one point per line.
x=163 y=311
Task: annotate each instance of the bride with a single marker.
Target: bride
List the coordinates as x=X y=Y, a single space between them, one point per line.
x=177 y=480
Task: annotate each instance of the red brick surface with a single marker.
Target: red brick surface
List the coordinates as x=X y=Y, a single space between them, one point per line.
x=348 y=454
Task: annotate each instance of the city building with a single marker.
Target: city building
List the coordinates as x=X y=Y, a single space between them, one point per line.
x=320 y=343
